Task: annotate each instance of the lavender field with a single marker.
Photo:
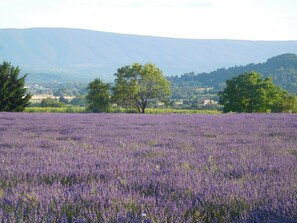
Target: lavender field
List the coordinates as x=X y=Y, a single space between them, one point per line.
x=148 y=168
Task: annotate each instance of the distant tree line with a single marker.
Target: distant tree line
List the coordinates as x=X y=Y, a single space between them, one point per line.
x=79 y=101
x=282 y=69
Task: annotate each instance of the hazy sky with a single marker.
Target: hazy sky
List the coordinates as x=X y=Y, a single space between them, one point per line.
x=216 y=19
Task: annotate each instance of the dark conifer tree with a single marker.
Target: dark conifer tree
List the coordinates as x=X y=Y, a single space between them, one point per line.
x=13 y=95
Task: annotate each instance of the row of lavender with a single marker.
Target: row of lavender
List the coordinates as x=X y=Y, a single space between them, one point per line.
x=148 y=168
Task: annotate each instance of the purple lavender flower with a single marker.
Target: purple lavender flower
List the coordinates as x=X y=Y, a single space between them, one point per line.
x=148 y=168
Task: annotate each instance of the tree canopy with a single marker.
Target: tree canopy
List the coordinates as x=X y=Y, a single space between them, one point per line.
x=13 y=96
x=98 y=98
x=250 y=93
x=138 y=85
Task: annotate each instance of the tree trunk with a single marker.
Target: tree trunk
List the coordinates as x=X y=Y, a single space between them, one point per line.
x=143 y=107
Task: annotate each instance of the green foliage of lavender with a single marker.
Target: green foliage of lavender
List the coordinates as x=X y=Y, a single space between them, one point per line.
x=75 y=109
x=148 y=168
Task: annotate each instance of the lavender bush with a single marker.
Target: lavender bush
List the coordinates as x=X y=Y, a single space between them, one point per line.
x=148 y=168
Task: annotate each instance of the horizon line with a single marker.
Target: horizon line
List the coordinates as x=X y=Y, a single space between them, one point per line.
x=146 y=35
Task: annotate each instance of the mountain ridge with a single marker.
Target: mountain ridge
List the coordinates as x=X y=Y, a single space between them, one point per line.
x=66 y=54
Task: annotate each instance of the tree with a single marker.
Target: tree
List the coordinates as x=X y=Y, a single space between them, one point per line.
x=78 y=101
x=250 y=93
x=138 y=85
x=13 y=96
x=62 y=99
x=288 y=104
x=98 y=98
x=49 y=102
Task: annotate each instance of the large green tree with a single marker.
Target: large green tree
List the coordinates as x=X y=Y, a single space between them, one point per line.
x=250 y=93
x=98 y=98
x=13 y=95
x=138 y=85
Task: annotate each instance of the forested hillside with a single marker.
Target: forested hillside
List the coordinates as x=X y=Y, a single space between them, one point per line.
x=282 y=68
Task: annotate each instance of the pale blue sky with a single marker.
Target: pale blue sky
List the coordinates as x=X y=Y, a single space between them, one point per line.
x=215 y=19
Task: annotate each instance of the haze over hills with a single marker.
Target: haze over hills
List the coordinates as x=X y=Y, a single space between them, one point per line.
x=68 y=55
